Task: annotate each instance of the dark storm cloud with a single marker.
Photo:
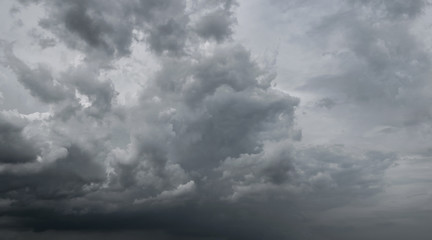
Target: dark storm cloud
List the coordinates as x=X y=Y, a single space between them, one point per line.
x=181 y=222
x=192 y=115
x=108 y=28
x=14 y=147
x=63 y=179
x=238 y=219
x=83 y=26
x=90 y=30
x=217 y=107
x=207 y=151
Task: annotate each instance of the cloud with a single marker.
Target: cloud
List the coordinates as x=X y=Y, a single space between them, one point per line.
x=107 y=31
x=38 y=81
x=210 y=149
x=181 y=191
x=107 y=28
x=329 y=171
x=382 y=63
x=168 y=37
x=15 y=148
x=100 y=94
x=394 y=9
x=373 y=62
x=215 y=25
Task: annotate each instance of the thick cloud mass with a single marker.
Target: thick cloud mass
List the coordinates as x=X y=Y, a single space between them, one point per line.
x=14 y=147
x=149 y=119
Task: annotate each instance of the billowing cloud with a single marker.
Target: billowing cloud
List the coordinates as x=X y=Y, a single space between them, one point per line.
x=151 y=119
x=38 y=81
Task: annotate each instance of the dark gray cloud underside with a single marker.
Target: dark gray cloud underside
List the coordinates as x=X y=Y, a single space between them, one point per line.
x=208 y=148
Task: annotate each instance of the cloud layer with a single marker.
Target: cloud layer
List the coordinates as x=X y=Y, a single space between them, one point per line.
x=150 y=119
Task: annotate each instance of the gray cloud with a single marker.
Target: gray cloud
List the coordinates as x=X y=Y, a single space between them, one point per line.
x=335 y=170
x=394 y=9
x=43 y=41
x=326 y=103
x=64 y=179
x=38 y=81
x=106 y=28
x=15 y=148
x=168 y=37
x=84 y=28
x=101 y=94
x=109 y=28
x=216 y=25
x=383 y=67
x=210 y=149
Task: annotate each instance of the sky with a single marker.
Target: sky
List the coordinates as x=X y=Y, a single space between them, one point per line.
x=215 y=119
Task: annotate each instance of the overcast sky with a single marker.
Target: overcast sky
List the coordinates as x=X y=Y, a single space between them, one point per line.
x=216 y=119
